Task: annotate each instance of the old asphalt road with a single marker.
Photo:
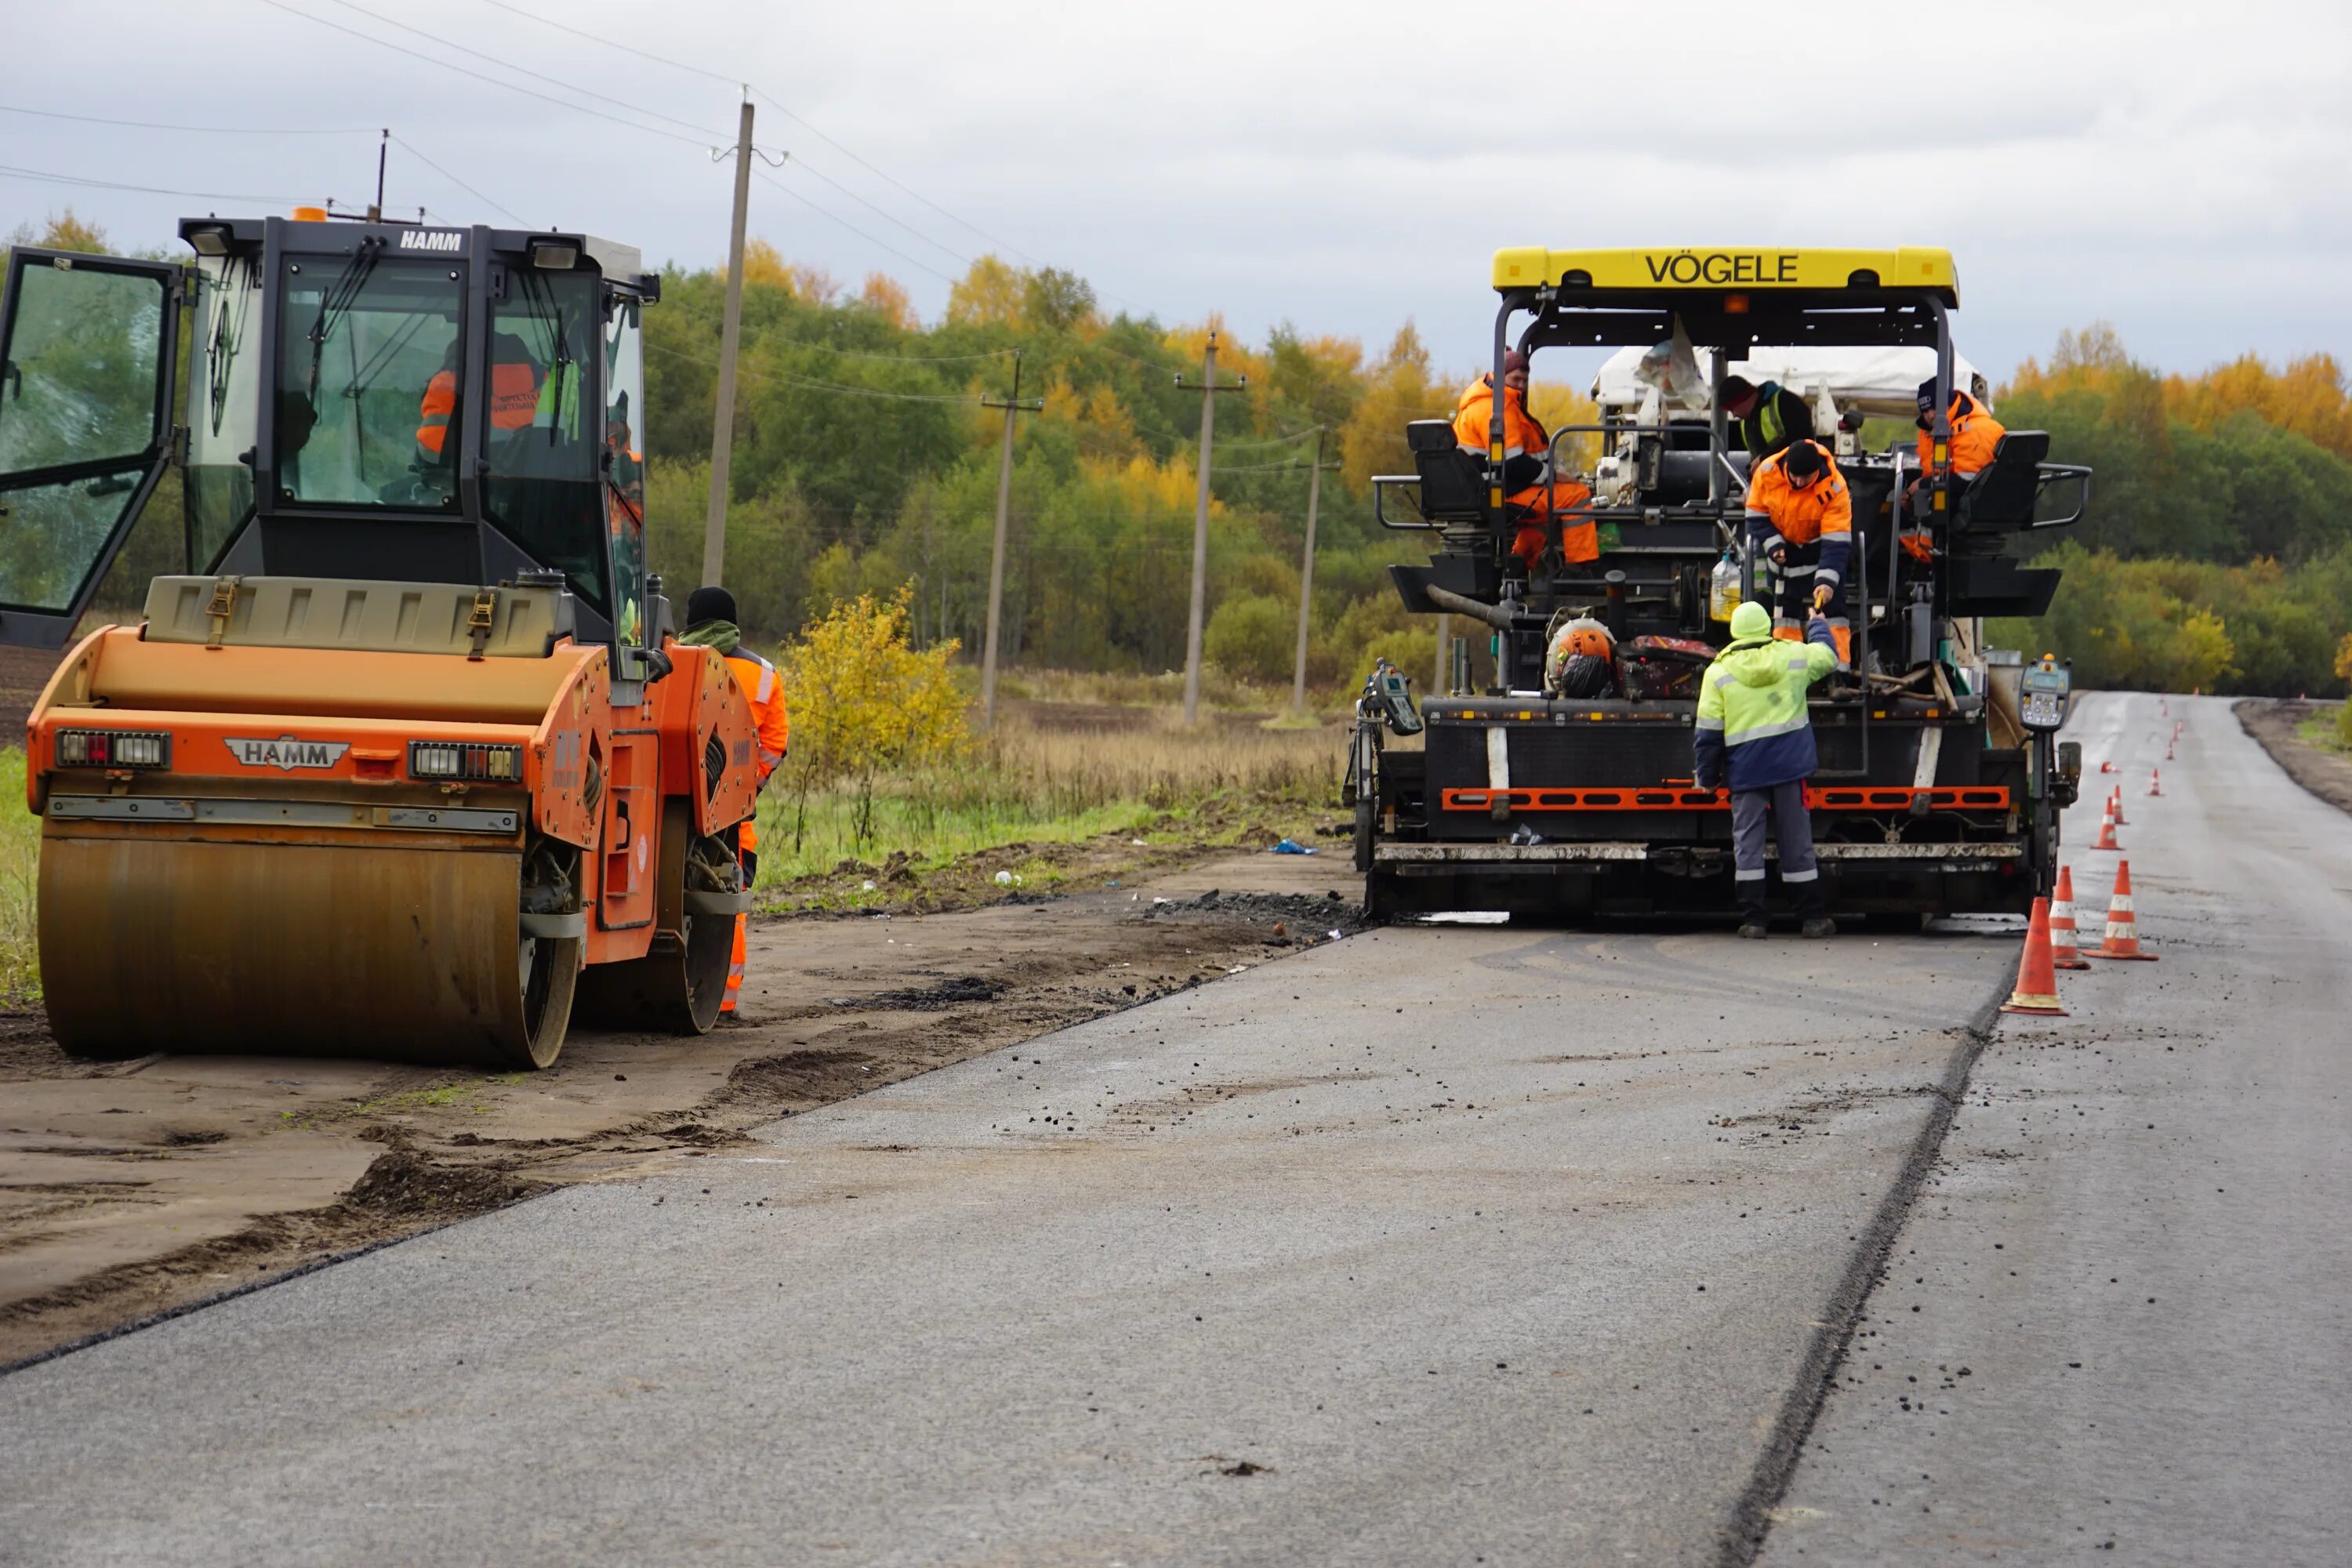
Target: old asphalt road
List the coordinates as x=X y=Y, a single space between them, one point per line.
x=1431 y=1246
x=2120 y=1316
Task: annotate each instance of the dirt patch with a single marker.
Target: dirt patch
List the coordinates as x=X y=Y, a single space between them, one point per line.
x=129 y=1189
x=2327 y=775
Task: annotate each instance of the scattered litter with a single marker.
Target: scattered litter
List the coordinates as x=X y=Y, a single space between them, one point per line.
x=1004 y=878
x=866 y=886
x=1292 y=847
x=1137 y=844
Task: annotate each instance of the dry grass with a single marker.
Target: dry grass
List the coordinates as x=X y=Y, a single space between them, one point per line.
x=20 y=862
x=1051 y=775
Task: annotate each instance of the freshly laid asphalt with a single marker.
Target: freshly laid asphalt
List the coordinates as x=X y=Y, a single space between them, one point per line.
x=1435 y=1245
x=2120 y=1318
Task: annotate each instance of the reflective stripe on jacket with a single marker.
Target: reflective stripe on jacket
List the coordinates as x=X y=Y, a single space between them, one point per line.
x=1782 y=513
x=514 y=397
x=761 y=683
x=1473 y=416
x=1975 y=434
x=1779 y=417
x=1752 y=732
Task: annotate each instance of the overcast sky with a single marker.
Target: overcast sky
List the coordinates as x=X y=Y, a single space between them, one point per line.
x=2183 y=171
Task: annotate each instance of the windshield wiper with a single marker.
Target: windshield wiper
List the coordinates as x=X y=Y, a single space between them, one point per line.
x=337 y=302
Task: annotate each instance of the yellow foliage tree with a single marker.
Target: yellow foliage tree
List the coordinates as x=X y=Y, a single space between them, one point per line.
x=888 y=297
x=992 y=293
x=1400 y=390
x=764 y=263
x=866 y=704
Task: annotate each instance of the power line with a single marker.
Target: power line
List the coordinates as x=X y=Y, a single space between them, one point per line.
x=806 y=168
x=787 y=379
x=704 y=142
x=453 y=179
x=900 y=186
x=54 y=179
x=524 y=70
x=207 y=129
x=612 y=44
x=852 y=227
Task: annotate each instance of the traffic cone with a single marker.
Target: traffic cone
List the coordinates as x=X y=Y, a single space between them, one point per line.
x=2154 y=782
x=2107 y=764
x=2167 y=751
x=2107 y=831
x=2063 y=954
x=2122 y=931
x=2116 y=800
x=2037 y=986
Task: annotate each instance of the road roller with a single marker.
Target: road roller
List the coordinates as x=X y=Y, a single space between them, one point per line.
x=406 y=761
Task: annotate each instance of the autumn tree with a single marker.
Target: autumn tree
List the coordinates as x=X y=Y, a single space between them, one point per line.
x=867 y=704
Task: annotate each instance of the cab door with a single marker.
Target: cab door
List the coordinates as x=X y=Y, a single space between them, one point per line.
x=88 y=345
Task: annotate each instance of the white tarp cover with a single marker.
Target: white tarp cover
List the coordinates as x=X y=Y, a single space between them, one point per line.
x=1884 y=381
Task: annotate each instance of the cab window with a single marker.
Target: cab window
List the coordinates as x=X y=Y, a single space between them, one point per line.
x=368 y=379
x=544 y=484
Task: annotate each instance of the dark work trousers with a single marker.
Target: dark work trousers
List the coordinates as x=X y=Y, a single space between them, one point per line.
x=1797 y=870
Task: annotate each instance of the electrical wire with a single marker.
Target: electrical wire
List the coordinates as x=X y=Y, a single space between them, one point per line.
x=43 y=174
x=206 y=129
x=522 y=70
x=702 y=141
x=610 y=43
x=807 y=168
x=453 y=179
x=877 y=173
x=786 y=379
x=852 y=227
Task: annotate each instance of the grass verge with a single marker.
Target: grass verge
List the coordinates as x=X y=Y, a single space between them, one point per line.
x=20 y=865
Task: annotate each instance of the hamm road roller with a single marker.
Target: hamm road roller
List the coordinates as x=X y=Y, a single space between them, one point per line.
x=1563 y=785
x=407 y=764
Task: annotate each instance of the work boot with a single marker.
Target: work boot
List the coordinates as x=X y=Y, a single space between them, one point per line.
x=1819 y=926
x=1754 y=930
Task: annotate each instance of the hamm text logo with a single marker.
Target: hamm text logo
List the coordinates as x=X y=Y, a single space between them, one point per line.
x=285 y=753
x=425 y=240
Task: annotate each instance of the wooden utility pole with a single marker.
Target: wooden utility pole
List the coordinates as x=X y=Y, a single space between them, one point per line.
x=730 y=337
x=1307 y=576
x=1208 y=390
x=1011 y=405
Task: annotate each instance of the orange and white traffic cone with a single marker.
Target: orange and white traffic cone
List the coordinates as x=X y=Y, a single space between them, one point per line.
x=2106 y=839
x=2107 y=764
x=2037 y=986
x=2154 y=782
x=2116 y=800
x=2167 y=751
x=2123 y=930
x=2063 y=954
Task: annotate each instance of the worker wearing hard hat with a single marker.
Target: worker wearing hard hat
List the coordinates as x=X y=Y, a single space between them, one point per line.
x=711 y=623
x=1532 y=492
x=1753 y=737
x=1800 y=521
x=1975 y=434
x=1770 y=416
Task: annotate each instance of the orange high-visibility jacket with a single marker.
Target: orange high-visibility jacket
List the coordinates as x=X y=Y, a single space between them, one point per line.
x=1780 y=512
x=765 y=687
x=1975 y=434
x=514 y=400
x=1578 y=537
x=1474 y=411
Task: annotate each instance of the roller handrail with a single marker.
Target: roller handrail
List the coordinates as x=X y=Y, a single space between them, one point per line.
x=1380 y=513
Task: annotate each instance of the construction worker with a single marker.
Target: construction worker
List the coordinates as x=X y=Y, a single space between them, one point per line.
x=1533 y=494
x=514 y=397
x=1974 y=434
x=711 y=623
x=1770 y=416
x=1753 y=737
x=1800 y=521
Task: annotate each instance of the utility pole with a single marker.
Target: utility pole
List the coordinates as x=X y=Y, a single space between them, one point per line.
x=730 y=337
x=1011 y=405
x=1208 y=390
x=1307 y=576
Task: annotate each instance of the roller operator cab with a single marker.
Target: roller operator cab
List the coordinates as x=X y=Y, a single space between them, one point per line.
x=406 y=761
x=1564 y=784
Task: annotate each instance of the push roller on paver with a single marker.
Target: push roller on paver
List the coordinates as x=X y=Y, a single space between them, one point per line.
x=409 y=764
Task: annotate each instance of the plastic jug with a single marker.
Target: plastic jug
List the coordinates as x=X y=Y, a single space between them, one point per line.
x=1723 y=589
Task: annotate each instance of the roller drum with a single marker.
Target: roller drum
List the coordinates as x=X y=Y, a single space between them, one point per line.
x=414 y=953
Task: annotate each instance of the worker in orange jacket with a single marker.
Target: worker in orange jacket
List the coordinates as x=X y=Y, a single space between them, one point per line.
x=514 y=397
x=1532 y=495
x=1975 y=433
x=1800 y=521
x=711 y=623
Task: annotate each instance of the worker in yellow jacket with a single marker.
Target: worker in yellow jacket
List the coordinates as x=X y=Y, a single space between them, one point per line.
x=711 y=623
